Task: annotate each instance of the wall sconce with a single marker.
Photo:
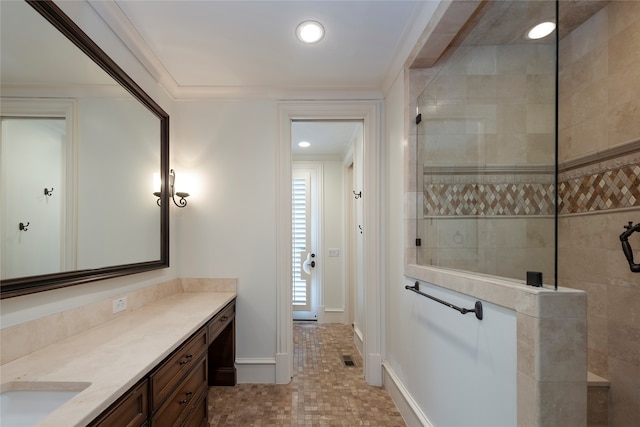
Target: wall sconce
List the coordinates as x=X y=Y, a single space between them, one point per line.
x=182 y=201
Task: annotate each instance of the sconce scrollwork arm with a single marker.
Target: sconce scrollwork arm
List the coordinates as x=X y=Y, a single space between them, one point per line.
x=182 y=196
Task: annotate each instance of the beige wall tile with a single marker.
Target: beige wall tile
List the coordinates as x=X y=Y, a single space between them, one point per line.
x=624 y=306
x=563 y=403
x=590 y=68
x=598 y=334
x=598 y=362
x=624 y=47
x=625 y=392
x=624 y=342
x=561 y=353
x=527 y=401
x=622 y=14
x=590 y=35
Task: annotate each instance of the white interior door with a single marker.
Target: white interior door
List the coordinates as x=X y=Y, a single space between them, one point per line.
x=305 y=258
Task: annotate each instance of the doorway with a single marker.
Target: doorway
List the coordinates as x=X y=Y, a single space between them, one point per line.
x=369 y=114
x=321 y=255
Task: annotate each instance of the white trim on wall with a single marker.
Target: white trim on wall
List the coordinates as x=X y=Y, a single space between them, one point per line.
x=333 y=315
x=256 y=370
x=406 y=404
x=370 y=113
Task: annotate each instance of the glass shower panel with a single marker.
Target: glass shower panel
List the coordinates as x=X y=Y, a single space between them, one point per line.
x=486 y=156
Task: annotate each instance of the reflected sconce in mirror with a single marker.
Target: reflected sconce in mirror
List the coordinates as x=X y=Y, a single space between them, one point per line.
x=182 y=196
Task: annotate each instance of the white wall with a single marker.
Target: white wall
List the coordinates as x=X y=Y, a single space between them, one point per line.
x=229 y=227
x=333 y=230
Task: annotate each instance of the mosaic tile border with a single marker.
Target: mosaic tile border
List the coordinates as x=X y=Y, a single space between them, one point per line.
x=489 y=193
x=605 y=181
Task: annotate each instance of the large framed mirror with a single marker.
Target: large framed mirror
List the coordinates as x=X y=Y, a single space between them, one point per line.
x=83 y=149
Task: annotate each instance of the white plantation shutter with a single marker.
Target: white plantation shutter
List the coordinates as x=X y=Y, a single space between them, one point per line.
x=300 y=232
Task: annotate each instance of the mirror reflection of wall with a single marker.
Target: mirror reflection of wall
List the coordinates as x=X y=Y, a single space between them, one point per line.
x=486 y=149
x=33 y=160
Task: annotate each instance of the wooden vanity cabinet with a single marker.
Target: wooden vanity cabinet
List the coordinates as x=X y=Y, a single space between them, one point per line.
x=166 y=377
x=180 y=403
x=174 y=393
x=222 y=347
x=131 y=410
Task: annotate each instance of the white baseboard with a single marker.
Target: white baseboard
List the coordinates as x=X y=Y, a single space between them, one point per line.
x=357 y=340
x=256 y=371
x=333 y=316
x=407 y=406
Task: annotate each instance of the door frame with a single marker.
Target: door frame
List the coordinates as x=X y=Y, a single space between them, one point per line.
x=370 y=114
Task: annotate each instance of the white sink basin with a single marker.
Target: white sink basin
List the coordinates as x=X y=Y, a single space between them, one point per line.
x=26 y=404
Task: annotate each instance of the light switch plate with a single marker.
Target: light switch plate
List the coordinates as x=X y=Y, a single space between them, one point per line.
x=334 y=252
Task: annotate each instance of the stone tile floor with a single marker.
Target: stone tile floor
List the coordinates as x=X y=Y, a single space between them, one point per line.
x=323 y=391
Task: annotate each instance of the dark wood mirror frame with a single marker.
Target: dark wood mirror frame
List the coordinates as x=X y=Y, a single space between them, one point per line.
x=27 y=285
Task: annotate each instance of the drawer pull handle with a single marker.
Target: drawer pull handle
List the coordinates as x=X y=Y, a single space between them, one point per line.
x=224 y=318
x=189 y=395
x=186 y=360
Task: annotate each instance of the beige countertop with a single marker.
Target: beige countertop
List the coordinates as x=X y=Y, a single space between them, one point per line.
x=115 y=355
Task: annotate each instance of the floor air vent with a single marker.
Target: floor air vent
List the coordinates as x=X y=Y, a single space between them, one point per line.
x=348 y=360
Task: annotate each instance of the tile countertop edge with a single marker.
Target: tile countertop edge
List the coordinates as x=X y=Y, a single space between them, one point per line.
x=114 y=356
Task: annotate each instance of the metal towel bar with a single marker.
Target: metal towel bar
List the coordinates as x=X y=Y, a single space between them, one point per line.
x=477 y=310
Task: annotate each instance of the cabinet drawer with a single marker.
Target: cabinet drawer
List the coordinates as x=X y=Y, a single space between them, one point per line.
x=181 y=401
x=199 y=415
x=131 y=410
x=221 y=320
x=171 y=372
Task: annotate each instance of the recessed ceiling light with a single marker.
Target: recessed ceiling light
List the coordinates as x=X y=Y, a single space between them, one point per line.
x=304 y=144
x=310 y=32
x=541 y=30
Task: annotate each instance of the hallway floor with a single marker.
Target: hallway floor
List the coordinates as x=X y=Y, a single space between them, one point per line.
x=323 y=391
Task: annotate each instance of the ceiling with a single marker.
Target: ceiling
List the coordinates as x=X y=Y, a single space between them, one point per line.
x=327 y=138
x=249 y=47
